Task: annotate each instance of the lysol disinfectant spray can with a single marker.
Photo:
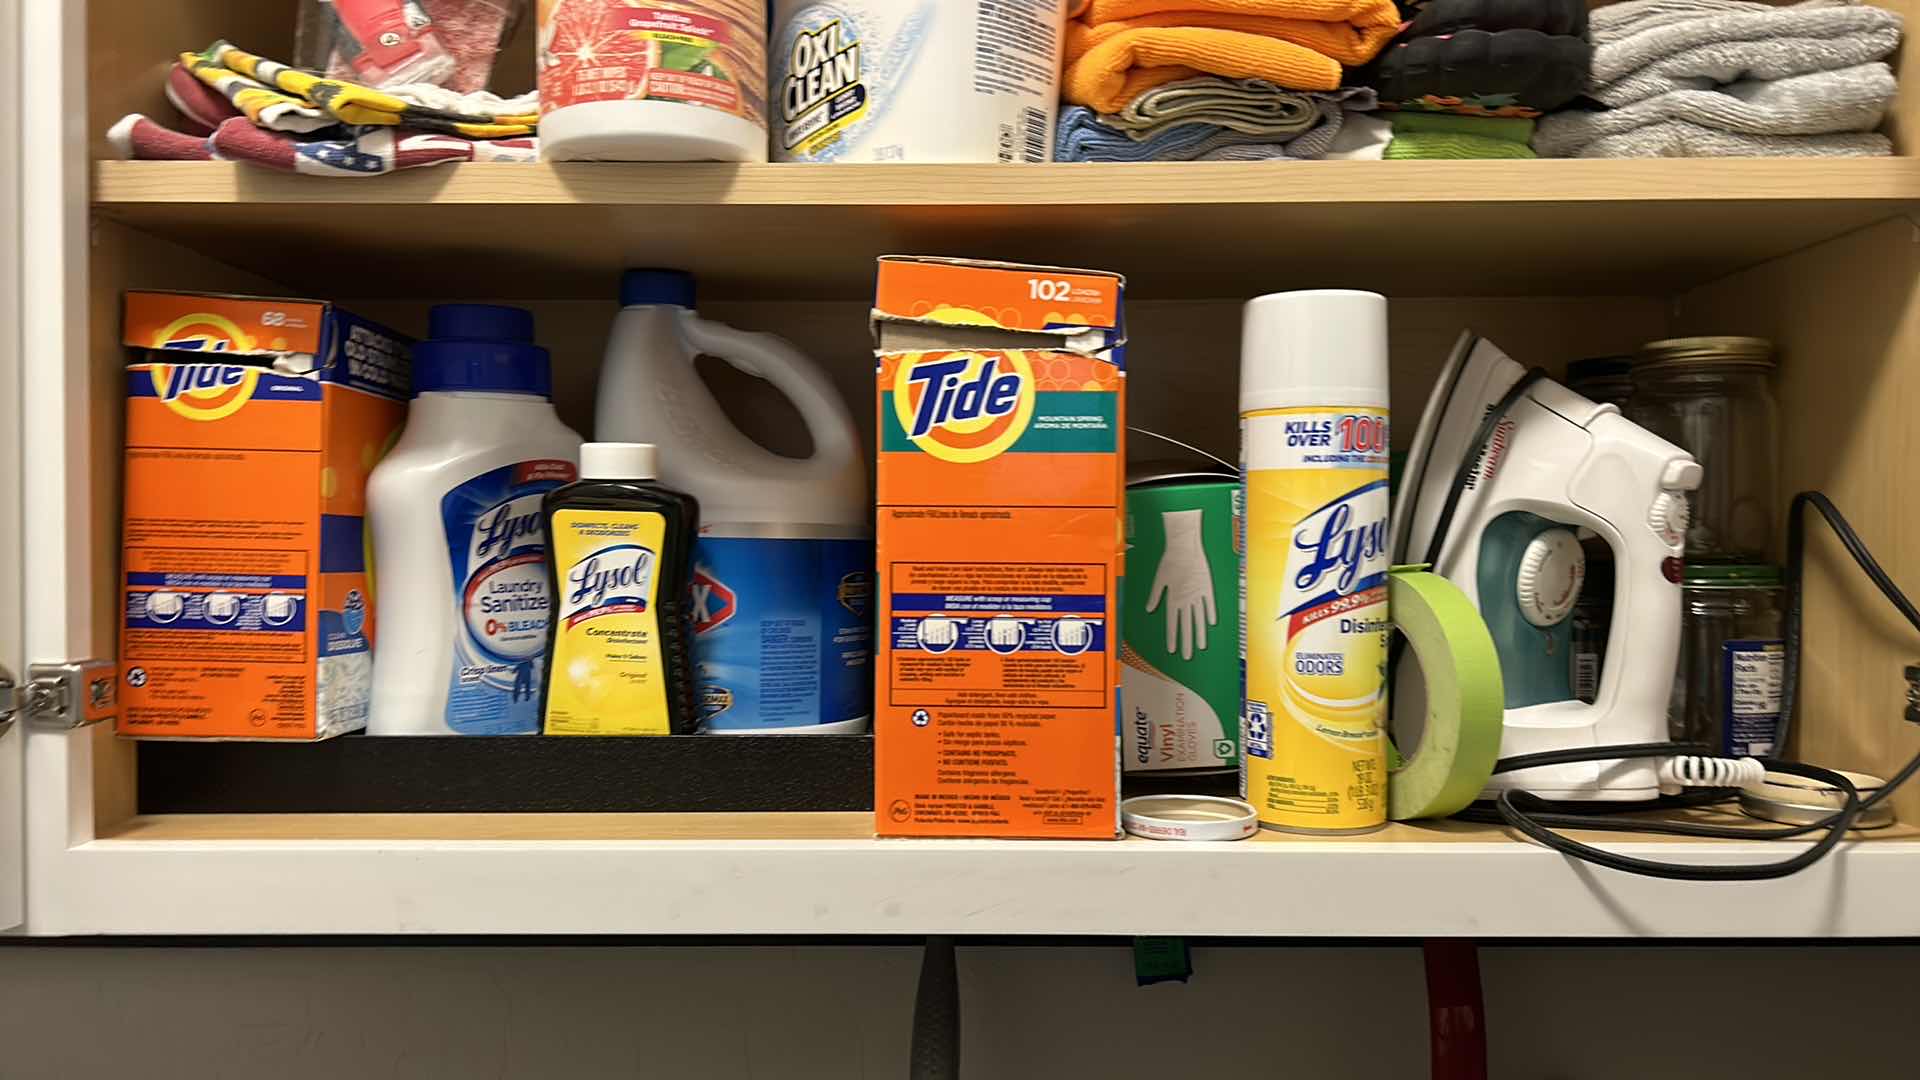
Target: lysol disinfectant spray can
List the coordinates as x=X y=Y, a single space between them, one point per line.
x=1313 y=447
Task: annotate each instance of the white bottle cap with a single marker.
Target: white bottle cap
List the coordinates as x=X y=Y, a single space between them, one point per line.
x=1317 y=347
x=617 y=461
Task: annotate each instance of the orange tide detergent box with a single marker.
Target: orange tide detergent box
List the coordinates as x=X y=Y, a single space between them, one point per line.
x=1002 y=420
x=251 y=427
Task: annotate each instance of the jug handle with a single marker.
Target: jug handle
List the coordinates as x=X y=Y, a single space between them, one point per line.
x=793 y=373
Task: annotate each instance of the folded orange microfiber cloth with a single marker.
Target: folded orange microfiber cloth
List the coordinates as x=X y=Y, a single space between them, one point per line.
x=1117 y=49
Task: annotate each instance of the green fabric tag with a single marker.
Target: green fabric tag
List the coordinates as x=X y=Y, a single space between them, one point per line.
x=1161 y=959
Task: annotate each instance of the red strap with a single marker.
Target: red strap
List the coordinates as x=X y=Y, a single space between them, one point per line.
x=1457 y=1020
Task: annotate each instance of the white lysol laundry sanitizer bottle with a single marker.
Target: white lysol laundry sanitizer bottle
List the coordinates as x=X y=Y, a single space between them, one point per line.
x=458 y=540
x=783 y=570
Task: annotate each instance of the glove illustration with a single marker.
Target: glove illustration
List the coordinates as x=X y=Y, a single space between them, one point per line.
x=1185 y=582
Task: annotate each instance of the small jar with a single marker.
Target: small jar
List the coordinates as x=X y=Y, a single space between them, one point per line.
x=1726 y=688
x=1710 y=397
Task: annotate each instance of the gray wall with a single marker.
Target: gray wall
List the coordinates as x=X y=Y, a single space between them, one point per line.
x=787 y=1013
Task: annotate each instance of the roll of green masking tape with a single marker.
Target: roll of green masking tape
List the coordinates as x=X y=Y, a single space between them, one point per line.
x=1465 y=699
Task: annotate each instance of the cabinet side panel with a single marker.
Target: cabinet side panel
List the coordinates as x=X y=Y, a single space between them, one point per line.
x=132 y=43
x=1845 y=317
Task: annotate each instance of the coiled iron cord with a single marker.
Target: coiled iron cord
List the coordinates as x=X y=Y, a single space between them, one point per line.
x=1538 y=826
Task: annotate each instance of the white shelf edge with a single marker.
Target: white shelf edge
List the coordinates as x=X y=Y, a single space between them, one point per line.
x=840 y=887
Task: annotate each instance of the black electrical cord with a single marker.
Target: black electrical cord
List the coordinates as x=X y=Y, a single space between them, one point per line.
x=1583 y=815
x=1537 y=830
x=1538 y=826
x=1796 y=559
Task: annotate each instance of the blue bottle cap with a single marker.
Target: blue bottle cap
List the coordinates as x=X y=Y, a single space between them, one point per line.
x=485 y=348
x=656 y=288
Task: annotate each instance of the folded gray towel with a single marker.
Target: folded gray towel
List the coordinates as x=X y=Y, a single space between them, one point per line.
x=1250 y=106
x=1330 y=115
x=1825 y=102
x=1650 y=47
x=1615 y=21
x=1677 y=138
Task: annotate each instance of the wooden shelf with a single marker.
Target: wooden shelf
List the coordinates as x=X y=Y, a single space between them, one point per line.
x=824 y=874
x=1177 y=229
x=835 y=825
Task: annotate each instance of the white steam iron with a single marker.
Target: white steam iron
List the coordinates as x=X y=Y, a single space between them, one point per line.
x=1555 y=468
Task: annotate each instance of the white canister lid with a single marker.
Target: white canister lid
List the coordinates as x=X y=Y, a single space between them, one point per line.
x=1314 y=347
x=1188 y=817
x=1799 y=800
x=618 y=461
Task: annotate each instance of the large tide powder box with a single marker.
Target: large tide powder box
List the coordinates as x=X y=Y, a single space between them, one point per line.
x=252 y=424
x=1002 y=413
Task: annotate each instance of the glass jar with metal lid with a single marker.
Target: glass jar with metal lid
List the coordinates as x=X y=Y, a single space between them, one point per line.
x=1710 y=397
x=1726 y=691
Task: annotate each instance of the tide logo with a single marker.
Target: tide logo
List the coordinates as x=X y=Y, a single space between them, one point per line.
x=964 y=407
x=204 y=392
x=204 y=332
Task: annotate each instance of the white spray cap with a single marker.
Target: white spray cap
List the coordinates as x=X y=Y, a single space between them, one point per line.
x=1315 y=347
x=617 y=461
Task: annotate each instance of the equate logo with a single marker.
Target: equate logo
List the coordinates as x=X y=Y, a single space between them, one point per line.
x=204 y=391
x=964 y=406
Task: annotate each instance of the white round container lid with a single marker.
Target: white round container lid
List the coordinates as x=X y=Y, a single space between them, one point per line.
x=1188 y=817
x=618 y=461
x=1800 y=800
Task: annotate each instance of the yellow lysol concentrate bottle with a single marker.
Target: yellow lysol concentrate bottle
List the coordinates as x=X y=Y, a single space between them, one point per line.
x=1313 y=447
x=620 y=572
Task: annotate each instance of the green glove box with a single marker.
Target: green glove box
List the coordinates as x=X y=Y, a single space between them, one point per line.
x=1180 y=620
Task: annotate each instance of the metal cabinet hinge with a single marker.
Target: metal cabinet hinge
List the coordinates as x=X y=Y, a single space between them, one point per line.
x=68 y=695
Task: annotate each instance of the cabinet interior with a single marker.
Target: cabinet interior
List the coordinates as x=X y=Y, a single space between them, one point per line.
x=1837 y=290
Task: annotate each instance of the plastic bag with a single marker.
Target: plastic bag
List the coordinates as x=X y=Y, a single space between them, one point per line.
x=450 y=43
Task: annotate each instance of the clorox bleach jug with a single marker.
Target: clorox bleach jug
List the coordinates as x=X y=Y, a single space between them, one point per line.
x=783 y=571
x=458 y=539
